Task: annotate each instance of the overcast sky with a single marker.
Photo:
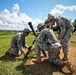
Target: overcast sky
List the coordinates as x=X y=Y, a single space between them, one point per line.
x=15 y=14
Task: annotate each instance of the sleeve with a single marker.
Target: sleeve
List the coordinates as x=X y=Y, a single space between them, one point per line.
x=62 y=30
x=62 y=27
x=19 y=44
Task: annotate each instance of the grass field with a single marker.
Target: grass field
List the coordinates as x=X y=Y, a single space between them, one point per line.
x=8 y=63
x=12 y=66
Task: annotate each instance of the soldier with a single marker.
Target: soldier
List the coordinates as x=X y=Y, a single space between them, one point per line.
x=18 y=43
x=48 y=41
x=65 y=30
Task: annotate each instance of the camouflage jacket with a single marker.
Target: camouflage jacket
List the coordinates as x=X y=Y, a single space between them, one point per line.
x=47 y=36
x=18 y=41
x=64 y=26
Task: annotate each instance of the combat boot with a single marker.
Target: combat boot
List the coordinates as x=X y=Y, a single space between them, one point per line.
x=69 y=66
x=65 y=58
x=38 y=60
x=9 y=51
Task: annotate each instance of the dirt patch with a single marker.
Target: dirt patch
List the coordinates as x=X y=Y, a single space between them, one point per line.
x=46 y=68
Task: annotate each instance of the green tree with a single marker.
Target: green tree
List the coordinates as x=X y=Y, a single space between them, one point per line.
x=75 y=20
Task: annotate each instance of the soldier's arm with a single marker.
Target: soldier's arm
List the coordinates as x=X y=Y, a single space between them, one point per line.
x=62 y=30
x=19 y=44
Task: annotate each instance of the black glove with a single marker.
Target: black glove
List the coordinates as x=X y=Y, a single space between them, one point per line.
x=29 y=47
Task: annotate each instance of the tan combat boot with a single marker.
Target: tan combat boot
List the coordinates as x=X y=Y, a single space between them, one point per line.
x=9 y=51
x=38 y=60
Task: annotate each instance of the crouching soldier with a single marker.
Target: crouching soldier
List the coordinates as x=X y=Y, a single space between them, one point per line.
x=48 y=41
x=18 y=43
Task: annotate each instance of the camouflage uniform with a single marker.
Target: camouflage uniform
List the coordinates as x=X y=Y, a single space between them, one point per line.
x=47 y=21
x=17 y=44
x=48 y=41
x=65 y=32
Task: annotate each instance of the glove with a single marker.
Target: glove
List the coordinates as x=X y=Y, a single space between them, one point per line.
x=29 y=47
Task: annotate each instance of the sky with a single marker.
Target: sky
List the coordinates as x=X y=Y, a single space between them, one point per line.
x=15 y=14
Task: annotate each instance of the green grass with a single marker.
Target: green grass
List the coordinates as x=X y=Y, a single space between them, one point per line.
x=73 y=38
x=12 y=66
x=8 y=63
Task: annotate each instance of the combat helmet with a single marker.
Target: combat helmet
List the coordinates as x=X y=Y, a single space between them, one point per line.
x=26 y=30
x=50 y=17
x=40 y=25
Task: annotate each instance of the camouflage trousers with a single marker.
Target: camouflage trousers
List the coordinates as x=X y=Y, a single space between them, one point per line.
x=65 y=40
x=16 y=51
x=39 y=47
x=53 y=53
